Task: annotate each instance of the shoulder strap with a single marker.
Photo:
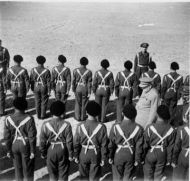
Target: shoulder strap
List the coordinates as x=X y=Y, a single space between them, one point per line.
x=187 y=130
x=59 y=73
x=146 y=74
x=62 y=129
x=23 y=122
x=103 y=78
x=155 y=131
x=94 y=132
x=156 y=75
x=120 y=131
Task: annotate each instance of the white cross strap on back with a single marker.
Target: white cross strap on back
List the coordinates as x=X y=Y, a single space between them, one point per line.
x=173 y=82
x=146 y=74
x=126 y=81
x=60 y=79
x=103 y=83
x=18 y=134
x=39 y=78
x=161 y=138
x=48 y=125
x=126 y=143
x=81 y=81
x=16 y=80
x=88 y=146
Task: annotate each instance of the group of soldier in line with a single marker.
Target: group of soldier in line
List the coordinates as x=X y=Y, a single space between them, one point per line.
x=146 y=135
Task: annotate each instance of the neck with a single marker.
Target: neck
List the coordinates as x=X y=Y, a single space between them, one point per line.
x=83 y=66
x=160 y=120
x=56 y=116
x=127 y=70
x=151 y=70
x=40 y=65
x=126 y=119
x=19 y=111
x=17 y=64
x=173 y=70
x=91 y=117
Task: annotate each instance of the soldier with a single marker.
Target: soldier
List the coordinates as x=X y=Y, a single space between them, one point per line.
x=4 y=59
x=61 y=80
x=180 y=161
x=20 y=139
x=56 y=143
x=3 y=90
x=81 y=85
x=90 y=144
x=156 y=83
x=171 y=86
x=125 y=146
x=18 y=78
x=125 y=88
x=159 y=140
x=103 y=87
x=40 y=79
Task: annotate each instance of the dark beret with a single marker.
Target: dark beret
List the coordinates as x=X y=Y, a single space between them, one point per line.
x=18 y=58
x=105 y=63
x=62 y=58
x=41 y=59
x=20 y=103
x=163 y=112
x=57 y=108
x=174 y=66
x=144 y=45
x=93 y=108
x=130 y=111
x=84 y=61
x=128 y=65
x=152 y=65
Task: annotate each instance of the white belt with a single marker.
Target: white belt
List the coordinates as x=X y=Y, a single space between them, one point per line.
x=157 y=147
x=61 y=82
x=57 y=143
x=16 y=82
x=39 y=83
x=103 y=86
x=89 y=147
x=171 y=88
x=125 y=87
x=21 y=138
x=187 y=151
x=142 y=65
x=81 y=83
x=119 y=147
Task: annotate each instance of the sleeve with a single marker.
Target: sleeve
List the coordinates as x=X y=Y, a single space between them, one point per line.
x=27 y=80
x=7 y=57
x=32 y=132
x=8 y=80
x=180 y=88
x=89 y=83
x=146 y=144
x=4 y=82
x=135 y=85
x=171 y=141
x=95 y=83
x=69 y=140
x=7 y=136
x=158 y=83
x=53 y=77
x=104 y=142
x=74 y=81
x=139 y=146
x=68 y=79
x=77 y=143
x=112 y=143
x=32 y=81
x=117 y=84
x=48 y=79
x=135 y=63
x=164 y=87
x=43 y=146
x=111 y=83
x=177 y=147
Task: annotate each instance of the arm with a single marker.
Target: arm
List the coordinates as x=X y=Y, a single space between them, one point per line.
x=146 y=145
x=158 y=87
x=139 y=146
x=164 y=87
x=77 y=143
x=117 y=84
x=48 y=79
x=180 y=88
x=111 y=83
x=95 y=83
x=74 y=81
x=7 y=57
x=89 y=83
x=112 y=145
x=69 y=140
x=53 y=78
x=135 y=85
x=43 y=146
x=32 y=81
x=8 y=80
x=177 y=147
x=27 y=80
x=135 y=63
x=104 y=142
x=68 y=80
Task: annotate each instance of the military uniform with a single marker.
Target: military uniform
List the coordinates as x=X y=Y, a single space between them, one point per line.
x=61 y=82
x=158 y=144
x=20 y=138
x=186 y=81
x=40 y=79
x=4 y=60
x=18 y=81
x=56 y=142
x=2 y=93
x=103 y=87
x=170 y=92
x=181 y=153
x=125 y=88
x=90 y=147
x=125 y=147
x=81 y=85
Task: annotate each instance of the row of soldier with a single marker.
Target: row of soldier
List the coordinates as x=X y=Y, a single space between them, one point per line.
x=129 y=149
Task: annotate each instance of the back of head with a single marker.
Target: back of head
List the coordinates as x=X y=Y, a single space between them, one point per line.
x=20 y=103
x=163 y=112
x=128 y=65
x=84 y=61
x=62 y=58
x=105 y=63
x=174 y=66
x=152 y=65
x=57 y=108
x=40 y=59
x=93 y=108
x=18 y=58
x=130 y=111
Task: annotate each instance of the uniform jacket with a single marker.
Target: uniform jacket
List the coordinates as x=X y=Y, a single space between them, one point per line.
x=46 y=136
x=109 y=80
x=4 y=57
x=186 y=81
x=27 y=130
x=2 y=81
x=116 y=139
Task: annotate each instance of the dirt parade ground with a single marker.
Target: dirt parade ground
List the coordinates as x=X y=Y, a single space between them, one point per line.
x=97 y=31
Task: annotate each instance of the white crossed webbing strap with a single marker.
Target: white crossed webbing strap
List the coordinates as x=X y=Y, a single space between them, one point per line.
x=173 y=85
x=124 y=86
x=16 y=80
x=39 y=78
x=48 y=125
x=157 y=145
x=90 y=138
x=126 y=140
x=147 y=75
x=103 y=83
x=59 y=77
x=17 y=132
x=82 y=81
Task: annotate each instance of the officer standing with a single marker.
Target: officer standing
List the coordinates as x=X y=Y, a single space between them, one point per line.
x=125 y=87
x=90 y=144
x=171 y=86
x=103 y=87
x=126 y=145
x=156 y=79
x=4 y=59
x=18 y=78
x=159 y=140
x=56 y=143
x=40 y=80
x=3 y=90
x=20 y=138
x=61 y=80
x=81 y=85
